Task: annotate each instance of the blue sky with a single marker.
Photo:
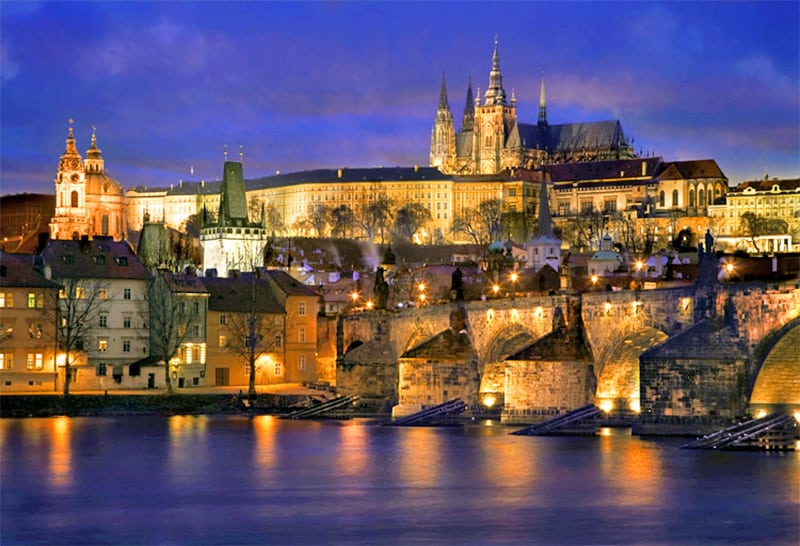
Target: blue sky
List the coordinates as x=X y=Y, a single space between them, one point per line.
x=332 y=84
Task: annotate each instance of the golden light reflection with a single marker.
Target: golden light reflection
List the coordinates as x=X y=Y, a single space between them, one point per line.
x=60 y=452
x=606 y=405
x=633 y=472
x=489 y=399
x=421 y=465
x=761 y=413
x=187 y=445
x=354 y=457
x=265 y=428
x=512 y=463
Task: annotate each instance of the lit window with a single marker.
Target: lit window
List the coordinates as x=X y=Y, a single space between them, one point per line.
x=102 y=345
x=126 y=293
x=35 y=361
x=80 y=292
x=126 y=346
x=188 y=355
x=222 y=341
x=301 y=362
x=6 y=299
x=31 y=300
x=103 y=293
x=6 y=361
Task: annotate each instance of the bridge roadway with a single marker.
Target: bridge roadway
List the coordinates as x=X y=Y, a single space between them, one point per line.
x=763 y=320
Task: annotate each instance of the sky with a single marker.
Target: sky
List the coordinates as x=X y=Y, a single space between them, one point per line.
x=168 y=85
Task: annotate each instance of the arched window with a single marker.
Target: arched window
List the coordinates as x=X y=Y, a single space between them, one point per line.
x=674 y=198
x=74 y=199
x=701 y=198
x=691 y=198
x=104 y=228
x=661 y=198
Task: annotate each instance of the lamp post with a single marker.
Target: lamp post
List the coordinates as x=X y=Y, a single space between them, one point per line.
x=594 y=281
x=514 y=278
x=495 y=289
x=422 y=297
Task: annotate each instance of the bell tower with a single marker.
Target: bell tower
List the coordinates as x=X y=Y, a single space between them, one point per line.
x=71 y=220
x=443 y=136
x=493 y=121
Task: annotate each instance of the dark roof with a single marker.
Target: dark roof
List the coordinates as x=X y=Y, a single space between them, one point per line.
x=573 y=136
x=699 y=342
x=373 y=174
x=97 y=258
x=17 y=270
x=235 y=294
x=289 y=285
x=788 y=184
x=687 y=170
x=446 y=345
x=184 y=283
x=185 y=187
x=603 y=170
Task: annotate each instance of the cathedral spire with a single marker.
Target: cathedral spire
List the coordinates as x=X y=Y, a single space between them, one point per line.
x=443 y=103
x=545 y=221
x=542 y=105
x=495 y=94
x=468 y=121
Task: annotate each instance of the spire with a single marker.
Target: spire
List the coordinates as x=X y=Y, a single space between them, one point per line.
x=545 y=221
x=443 y=104
x=495 y=94
x=542 y=105
x=71 y=149
x=468 y=121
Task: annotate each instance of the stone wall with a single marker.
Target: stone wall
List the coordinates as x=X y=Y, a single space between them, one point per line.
x=538 y=390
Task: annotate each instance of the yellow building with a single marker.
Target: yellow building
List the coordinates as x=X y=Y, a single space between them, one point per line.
x=27 y=329
x=173 y=205
x=88 y=201
x=772 y=199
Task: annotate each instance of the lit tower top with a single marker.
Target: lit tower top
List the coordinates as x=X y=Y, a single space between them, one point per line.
x=542 y=105
x=495 y=94
x=94 y=157
x=468 y=121
x=71 y=159
x=443 y=103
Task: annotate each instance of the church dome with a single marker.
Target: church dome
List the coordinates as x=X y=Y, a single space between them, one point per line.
x=102 y=184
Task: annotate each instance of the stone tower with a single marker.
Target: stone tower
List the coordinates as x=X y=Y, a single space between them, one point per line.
x=71 y=220
x=443 y=136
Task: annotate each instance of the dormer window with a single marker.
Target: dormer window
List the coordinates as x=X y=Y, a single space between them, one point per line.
x=121 y=260
x=99 y=259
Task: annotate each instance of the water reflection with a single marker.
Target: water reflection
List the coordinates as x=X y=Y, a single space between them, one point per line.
x=265 y=428
x=187 y=446
x=632 y=476
x=419 y=462
x=60 y=452
x=353 y=457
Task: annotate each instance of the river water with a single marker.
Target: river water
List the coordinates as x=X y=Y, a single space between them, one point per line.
x=262 y=480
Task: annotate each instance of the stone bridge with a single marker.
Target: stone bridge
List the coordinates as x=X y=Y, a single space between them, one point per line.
x=761 y=321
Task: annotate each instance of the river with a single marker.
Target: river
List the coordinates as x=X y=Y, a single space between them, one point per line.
x=262 y=480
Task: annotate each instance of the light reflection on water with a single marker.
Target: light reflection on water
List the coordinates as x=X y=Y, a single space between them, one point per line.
x=261 y=480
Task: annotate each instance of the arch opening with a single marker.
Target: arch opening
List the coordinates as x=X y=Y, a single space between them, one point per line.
x=777 y=382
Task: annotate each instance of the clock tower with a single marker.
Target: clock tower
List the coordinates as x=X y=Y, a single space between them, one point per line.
x=71 y=220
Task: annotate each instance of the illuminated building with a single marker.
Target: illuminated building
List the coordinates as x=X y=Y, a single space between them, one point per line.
x=492 y=139
x=27 y=331
x=88 y=201
x=285 y=321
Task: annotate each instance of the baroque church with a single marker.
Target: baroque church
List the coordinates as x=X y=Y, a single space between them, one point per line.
x=88 y=201
x=492 y=139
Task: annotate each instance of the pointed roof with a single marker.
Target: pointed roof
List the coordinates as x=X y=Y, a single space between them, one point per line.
x=542 y=105
x=443 y=104
x=468 y=121
x=495 y=94
x=233 y=199
x=700 y=341
x=71 y=149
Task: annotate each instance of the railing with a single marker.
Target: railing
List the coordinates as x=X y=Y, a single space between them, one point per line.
x=323 y=409
x=578 y=421
x=771 y=432
x=428 y=415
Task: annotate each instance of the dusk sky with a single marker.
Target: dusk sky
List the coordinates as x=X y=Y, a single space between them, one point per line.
x=333 y=84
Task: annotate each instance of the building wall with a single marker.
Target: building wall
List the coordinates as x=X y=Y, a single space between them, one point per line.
x=538 y=390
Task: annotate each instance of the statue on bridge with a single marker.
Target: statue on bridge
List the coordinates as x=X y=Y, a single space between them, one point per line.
x=381 y=289
x=457 y=285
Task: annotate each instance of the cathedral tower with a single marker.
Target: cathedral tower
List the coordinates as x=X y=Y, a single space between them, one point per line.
x=443 y=136
x=71 y=220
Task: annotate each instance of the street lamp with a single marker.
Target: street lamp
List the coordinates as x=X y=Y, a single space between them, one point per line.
x=422 y=296
x=594 y=281
x=495 y=289
x=514 y=278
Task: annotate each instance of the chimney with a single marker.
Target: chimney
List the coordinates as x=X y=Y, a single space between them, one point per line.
x=233 y=273
x=644 y=168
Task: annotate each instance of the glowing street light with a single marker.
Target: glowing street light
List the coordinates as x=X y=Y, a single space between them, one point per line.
x=495 y=289
x=370 y=305
x=514 y=278
x=594 y=280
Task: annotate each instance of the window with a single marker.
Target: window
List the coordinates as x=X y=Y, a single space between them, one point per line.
x=126 y=294
x=80 y=292
x=675 y=198
x=301 y=362
x=126 y=321
x=301 y=334
x=196 y=329
x=34 y=330
x=35 y=361
x=6 y=299
x=610 y=205
x=102 y=345
x=278 y=341
x=278 y=369
x=103 y=293
x=78 y=344
x=222 y=340
x=6 y=361
x=223 y=319
x=101 y=368
x=103 y=321
x=661 y=198
x=31 y=300
x=197 y=308
x=301 y=308
x=126 y=346
x=74 y=199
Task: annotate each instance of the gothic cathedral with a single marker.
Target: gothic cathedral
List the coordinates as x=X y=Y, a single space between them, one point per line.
x=492 y=140
x=88 y=201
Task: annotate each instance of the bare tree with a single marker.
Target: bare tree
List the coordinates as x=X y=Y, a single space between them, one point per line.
x=254 y=331
x=171 y=315
x=755 y=226
x=319 y=217
x=481 y=225
x=78 y=306
x=409 y=219
x=342 y=219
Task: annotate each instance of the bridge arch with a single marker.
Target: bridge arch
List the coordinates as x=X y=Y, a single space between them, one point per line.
x=503 y=344
x=618 y=372
x=776 y=382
